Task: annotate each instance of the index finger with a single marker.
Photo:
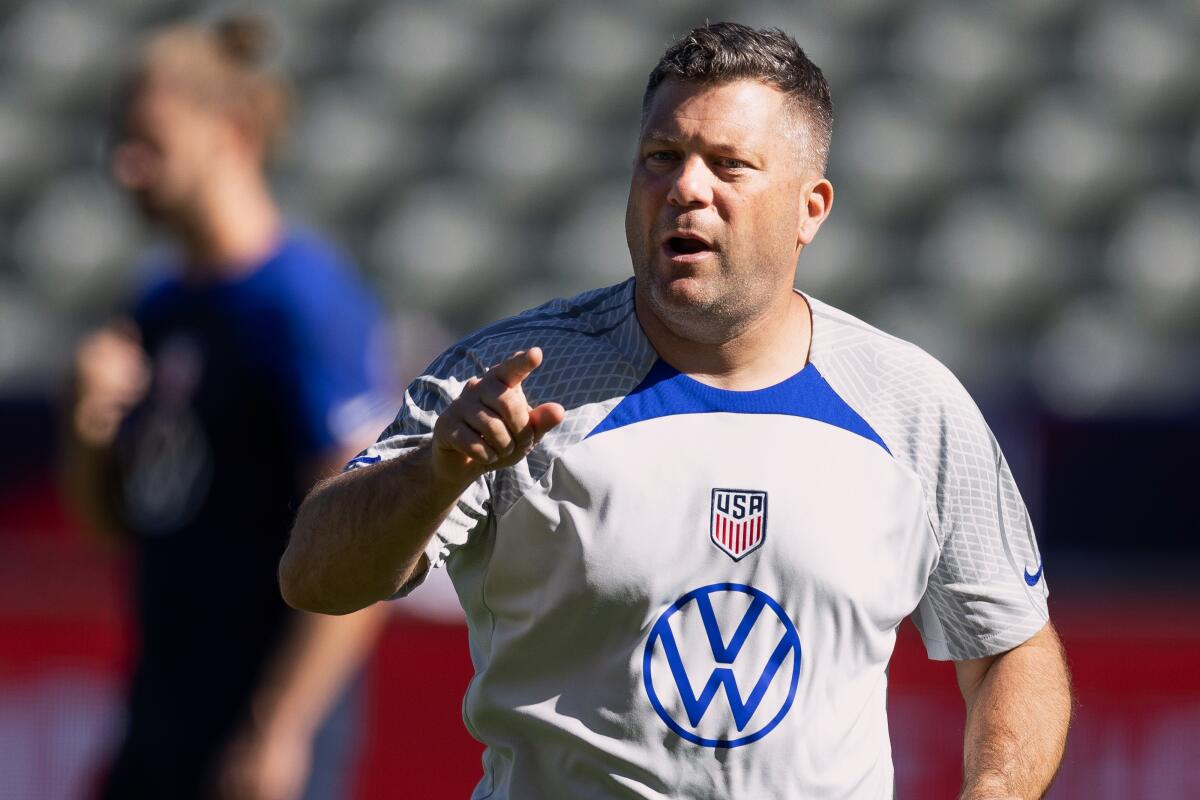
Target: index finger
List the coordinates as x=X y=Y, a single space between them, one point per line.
x=517 y=367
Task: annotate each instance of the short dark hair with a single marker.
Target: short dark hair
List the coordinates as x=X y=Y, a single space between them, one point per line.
x=722 y=52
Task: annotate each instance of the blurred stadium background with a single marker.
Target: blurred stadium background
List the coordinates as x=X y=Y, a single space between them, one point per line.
x=1019 y=193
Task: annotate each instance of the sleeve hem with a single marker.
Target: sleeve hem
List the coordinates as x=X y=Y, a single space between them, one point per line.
x=983 y=646
x=414 y=580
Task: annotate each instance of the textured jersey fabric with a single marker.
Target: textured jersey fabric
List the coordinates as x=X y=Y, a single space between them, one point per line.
x=691 y=592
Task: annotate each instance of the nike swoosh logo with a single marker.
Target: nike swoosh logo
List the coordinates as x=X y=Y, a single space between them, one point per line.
x=1035 y=577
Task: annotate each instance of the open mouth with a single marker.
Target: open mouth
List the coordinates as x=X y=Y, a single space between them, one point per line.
x=681 y=245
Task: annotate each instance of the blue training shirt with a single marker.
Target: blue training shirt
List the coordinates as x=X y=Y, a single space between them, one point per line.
x=253 y=379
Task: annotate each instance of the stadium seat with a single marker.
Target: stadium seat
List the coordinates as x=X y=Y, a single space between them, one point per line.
x=825 y=37
x=34 y=340
x=1192 y=160
x=600 y=52
x=65 y=53
x=446 y=246
x=1154 y=258
x=524 y=141
x=31 y=145
x=900 y=157
x=588 y=247
x=1040 y=16
x=1099 y=358
x=424 y=55
x=863 y=13
x=1072 y=159
x=967 y=58
x=347 y=148
x=1141 y=62
x=849 y=262
x=994 y=259
x=75 y=242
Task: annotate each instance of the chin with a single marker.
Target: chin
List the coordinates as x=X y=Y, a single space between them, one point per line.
x=689 y=309
x=681 y=295
x=683 y=291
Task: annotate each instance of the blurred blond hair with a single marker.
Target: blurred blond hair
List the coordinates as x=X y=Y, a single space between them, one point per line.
x=222 y=66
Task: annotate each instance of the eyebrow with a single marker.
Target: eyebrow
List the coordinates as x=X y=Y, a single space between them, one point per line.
x=660 y=137
x=663 y=137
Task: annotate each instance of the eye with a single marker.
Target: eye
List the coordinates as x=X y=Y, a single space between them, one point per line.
x=661 y=156
x=731 y=163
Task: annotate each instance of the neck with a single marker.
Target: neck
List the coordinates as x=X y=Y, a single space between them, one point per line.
x=768 y=349
x=234 y=228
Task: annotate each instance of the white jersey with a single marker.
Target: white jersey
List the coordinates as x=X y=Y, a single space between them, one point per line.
x=690 y=592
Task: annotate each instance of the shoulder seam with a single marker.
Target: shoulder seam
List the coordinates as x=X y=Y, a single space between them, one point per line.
x=518 y=324
x=865 y=327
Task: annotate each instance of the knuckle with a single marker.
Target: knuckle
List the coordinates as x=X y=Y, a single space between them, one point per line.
x=496 y=427
x=507 y=411
x=497 y=433
x=493 y=386
x=514 y=401
x=470 y=389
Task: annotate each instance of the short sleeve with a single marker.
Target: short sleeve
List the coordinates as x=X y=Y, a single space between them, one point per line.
x=424 y=401
x=987 y=593
x=333 y=362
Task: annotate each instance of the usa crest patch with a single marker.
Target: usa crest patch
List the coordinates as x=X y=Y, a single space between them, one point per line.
x=738 y=521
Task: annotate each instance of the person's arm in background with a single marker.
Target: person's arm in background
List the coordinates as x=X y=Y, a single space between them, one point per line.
x=320 y=656
x=1019 y=708
x=112 y=374
x=270 y=759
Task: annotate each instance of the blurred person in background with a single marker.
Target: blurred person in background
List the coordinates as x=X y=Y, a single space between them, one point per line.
x=256 y=339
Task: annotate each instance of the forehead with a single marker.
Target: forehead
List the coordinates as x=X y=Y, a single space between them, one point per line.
x=154 y=100
x=745 y=110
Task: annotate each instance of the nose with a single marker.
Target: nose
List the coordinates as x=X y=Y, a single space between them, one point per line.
x=692 y=184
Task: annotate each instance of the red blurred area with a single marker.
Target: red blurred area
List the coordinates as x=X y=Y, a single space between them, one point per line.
x=65 y=646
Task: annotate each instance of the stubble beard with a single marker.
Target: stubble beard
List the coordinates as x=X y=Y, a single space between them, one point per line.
x=722 y=309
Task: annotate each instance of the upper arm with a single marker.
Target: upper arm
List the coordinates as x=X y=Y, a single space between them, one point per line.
x=1037 y=660
x=332 y=364
x=970 y=673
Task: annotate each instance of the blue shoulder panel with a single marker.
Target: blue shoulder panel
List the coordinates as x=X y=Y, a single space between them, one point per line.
x=665 y=391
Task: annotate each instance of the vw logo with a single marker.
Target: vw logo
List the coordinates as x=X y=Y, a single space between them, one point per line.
x=722 y=664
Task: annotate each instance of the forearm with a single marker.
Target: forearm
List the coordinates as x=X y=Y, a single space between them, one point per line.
x=360 y=535
x=1018 y=713
x=87 y=478
x=319 y=657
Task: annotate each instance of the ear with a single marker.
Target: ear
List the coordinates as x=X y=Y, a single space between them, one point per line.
x=817 y=202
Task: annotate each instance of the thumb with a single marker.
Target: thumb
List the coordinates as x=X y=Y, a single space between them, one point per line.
x=545 y=418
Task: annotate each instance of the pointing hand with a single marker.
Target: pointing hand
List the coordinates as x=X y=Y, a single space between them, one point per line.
x=491 y=425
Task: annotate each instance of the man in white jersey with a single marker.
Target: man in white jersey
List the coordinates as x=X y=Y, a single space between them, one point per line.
x=686 y=514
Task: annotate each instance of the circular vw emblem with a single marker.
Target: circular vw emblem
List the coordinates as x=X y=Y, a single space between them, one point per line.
x=722 y=665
